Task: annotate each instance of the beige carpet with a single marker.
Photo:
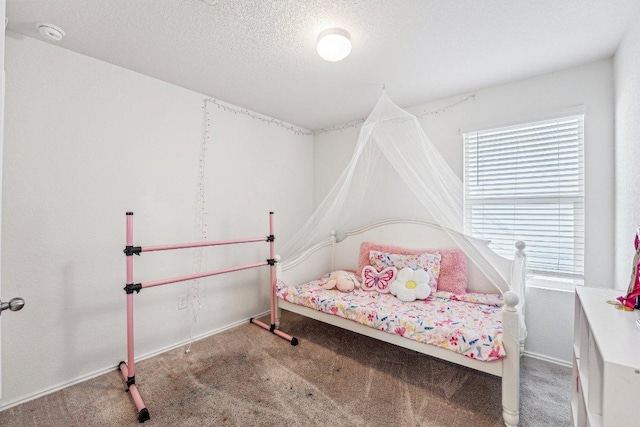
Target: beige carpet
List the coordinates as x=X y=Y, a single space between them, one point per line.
x=248 y=377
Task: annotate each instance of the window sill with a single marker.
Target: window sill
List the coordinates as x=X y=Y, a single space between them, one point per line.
x=554 y=284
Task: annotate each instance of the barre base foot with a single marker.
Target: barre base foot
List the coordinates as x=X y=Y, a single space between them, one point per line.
x=273 y=330
x=143 y=415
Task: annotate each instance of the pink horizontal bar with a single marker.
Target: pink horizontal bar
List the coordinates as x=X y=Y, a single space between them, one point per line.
x=200 y=244
x=124 y=370
x=200 y=275
x=137 y=399
x=283 y=335
x=261 y=324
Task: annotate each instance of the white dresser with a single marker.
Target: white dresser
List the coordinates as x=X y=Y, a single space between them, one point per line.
x=606 y=361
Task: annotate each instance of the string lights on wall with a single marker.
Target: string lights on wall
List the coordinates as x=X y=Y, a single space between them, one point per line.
x=337 y=128
x=423 y=114
x=201 y=221
x=446 y=107
x=268 y=120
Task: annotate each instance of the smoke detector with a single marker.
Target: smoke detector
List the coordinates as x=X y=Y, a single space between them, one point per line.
x=50 y=31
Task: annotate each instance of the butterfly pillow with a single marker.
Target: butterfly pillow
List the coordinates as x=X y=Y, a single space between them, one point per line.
x=372 y=280
x=426 y=261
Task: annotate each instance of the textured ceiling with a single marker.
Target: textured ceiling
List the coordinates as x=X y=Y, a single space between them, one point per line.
x=260 y=54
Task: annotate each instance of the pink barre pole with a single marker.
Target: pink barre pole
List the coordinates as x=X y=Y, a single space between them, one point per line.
x=272 y=285
x=272 y=269
x=200 y=275
x=199 y=244
x=128 y=369
x=130 y=362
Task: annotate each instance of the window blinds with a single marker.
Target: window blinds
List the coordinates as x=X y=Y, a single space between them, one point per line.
x=526 y=182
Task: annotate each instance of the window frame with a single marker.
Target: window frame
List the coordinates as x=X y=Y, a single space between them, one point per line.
x=542 y=278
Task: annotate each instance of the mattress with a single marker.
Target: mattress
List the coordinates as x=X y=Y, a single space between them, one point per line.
x=469 y=324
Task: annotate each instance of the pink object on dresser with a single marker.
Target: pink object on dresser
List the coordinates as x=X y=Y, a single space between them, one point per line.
x=453 y=264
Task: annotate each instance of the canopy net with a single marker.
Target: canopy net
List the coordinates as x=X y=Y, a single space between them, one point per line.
x=396 y=172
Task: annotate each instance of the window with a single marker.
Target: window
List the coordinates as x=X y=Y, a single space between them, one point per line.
x=526 y=182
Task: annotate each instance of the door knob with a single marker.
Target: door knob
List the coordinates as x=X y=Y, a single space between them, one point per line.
x=14 y=305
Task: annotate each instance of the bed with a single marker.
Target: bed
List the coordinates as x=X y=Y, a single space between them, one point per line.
x=478 y=329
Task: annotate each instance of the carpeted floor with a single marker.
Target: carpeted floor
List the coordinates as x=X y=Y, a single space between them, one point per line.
x=248 y=377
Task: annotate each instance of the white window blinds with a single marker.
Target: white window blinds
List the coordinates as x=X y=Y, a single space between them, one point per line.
x=526 y=183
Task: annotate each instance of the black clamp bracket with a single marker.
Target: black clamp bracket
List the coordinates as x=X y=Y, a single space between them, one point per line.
x=271 y=238
x=131 y=250
x=131 y=381
x=131 y=287
x=271 y=261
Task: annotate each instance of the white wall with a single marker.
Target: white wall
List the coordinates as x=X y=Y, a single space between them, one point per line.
x=86 y=141
x=627 y=152
x=331 y=153
x=549 y=319
x=531 y=99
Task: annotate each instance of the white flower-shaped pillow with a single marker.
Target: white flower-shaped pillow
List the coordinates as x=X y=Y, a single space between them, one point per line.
x=411 y=285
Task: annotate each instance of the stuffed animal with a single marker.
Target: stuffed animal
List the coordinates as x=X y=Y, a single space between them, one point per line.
x=343 y=281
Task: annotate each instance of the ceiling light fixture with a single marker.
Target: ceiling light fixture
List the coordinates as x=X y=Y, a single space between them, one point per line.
x=50 y=31
x=334 y=44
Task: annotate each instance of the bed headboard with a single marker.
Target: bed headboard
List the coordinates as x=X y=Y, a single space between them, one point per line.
x=410 y=233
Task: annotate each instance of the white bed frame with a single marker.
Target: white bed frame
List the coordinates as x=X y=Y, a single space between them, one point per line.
x=332 y=254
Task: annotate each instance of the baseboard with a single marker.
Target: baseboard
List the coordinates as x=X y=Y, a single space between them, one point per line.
x=112 y=368
x=548 y=359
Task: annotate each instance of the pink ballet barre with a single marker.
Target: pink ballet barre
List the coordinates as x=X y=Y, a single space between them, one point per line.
x=128 y=368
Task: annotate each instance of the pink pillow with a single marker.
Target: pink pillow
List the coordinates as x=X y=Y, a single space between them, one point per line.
x=366 y=247
x=453 y=271
x=453 y=264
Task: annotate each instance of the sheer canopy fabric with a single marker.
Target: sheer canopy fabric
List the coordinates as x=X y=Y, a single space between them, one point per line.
x=397 y=172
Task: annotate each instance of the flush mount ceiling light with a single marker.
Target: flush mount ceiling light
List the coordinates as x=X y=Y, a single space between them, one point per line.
x=334 y=44
x=50 y=31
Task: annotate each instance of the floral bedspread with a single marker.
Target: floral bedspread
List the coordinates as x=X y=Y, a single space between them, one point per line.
x=469 y=324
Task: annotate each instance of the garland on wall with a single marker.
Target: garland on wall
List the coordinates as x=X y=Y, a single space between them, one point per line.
x=340 y=128
x=337 y=128
x=265 y=119
x=423 y=114
x=201 y=222
x=444 y=109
